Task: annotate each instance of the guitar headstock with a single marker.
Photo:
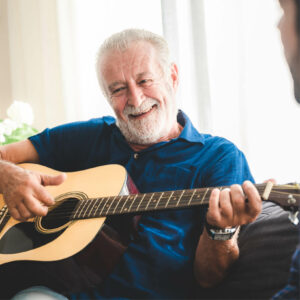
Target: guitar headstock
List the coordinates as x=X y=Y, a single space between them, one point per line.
x=286 y=195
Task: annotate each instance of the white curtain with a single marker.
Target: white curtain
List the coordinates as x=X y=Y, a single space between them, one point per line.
x=31 y=54
x=241 y=87
x=184 y=29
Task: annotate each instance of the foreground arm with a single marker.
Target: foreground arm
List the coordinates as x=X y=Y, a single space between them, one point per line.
x=23 y=190
x=227 y=208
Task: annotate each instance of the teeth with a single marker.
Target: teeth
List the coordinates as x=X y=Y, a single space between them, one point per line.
x=140 y=113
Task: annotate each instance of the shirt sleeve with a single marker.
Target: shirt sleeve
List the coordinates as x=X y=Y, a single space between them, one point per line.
x=69 y=147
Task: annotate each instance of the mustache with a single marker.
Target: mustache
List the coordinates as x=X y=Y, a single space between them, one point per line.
x=146 y=105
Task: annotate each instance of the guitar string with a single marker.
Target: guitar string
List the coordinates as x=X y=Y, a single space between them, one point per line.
x=161 y=205
x=68 y=212
x=142 y=208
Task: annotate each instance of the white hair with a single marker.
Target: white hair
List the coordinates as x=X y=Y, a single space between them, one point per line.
x=122 y=40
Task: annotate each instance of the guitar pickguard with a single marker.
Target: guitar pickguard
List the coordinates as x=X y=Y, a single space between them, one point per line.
x=27 y=236
x=24 y=237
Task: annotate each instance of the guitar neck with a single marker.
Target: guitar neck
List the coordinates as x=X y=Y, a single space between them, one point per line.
x=118 y=205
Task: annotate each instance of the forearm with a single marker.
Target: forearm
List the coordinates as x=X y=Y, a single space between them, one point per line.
x=19 y=152
x=12 y=154
x=6 y=168
x=213 y=259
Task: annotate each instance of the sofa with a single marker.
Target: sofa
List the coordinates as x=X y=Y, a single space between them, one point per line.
x=266 y=249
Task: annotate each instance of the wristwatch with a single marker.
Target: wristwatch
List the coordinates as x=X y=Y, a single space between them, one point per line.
x=220 y=234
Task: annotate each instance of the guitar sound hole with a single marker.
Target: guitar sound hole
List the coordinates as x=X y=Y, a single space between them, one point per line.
x=60 y=215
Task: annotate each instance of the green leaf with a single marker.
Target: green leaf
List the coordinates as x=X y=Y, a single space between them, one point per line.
x=19 y=134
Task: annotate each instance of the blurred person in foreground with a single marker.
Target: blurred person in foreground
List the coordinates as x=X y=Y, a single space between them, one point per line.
x=289 y=26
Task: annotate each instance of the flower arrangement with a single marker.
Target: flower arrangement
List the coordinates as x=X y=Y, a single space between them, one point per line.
x=18 y=125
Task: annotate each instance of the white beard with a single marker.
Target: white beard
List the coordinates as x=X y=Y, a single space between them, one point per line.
x=147 y=130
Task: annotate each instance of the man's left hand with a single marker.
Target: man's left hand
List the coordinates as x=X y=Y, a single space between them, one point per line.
x=234 y=206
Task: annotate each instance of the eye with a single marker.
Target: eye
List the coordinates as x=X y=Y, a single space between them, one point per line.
x=145 y=82
x=118 y=90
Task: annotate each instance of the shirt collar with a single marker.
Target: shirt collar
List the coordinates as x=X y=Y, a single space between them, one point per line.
x=189 y=132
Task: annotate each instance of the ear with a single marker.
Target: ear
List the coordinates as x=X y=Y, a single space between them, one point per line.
x=174 y=76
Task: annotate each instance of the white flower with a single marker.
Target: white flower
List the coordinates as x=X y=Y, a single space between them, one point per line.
x=21 y=113
x=9 y=126
x=2 y=130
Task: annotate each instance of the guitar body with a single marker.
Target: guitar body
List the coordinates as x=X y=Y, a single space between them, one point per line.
x=88 y=247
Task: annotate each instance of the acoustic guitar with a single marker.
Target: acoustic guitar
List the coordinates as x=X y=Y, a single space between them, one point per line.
x=83 y=202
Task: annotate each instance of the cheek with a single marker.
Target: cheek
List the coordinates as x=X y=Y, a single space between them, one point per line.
x=289 y=35
x=290 y=45
x=160 y=93
x=118 y=106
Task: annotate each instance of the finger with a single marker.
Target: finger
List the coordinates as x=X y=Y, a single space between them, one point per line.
x=35 y=207
x=23 y=211
x=238 y=200
x=254 y=204
x=53 y=180
x=43 y=196
x=225 y=204
x=271 y=179
x=15 y=213
x=213 y=214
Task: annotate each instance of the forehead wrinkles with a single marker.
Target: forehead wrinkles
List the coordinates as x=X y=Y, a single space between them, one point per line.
x=119 y=65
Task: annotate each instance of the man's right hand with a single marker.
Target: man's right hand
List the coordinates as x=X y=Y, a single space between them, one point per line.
x=23 y=190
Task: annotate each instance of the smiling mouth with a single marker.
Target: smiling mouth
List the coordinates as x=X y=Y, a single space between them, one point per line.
x=142 y=114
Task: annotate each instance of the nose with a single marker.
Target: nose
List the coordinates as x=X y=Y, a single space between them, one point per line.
x=135 y=96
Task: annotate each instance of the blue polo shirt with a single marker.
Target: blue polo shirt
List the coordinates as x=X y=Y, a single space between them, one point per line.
x=159 y=264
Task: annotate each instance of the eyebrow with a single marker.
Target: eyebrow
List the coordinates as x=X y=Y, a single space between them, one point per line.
x=143 y=74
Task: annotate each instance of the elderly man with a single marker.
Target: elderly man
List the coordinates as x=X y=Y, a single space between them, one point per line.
x=289 y=27
x=161 y=150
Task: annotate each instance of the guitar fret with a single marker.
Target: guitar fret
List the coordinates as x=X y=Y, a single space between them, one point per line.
x=158 y=201
x=204 y=195
x=82 y=205
x=112 y=202
x=149 y=201
x=99 y=205
x=128 y=197
x=103 y=207
x=179 y=198
x=133 y=202
x=140 y=202
x=95 y=202
x=106 y=206
x=169 y=198
x=87 y=210
x=120 y=199
x=192 y=197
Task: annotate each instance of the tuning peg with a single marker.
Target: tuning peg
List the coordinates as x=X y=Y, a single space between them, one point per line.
x=293 y=216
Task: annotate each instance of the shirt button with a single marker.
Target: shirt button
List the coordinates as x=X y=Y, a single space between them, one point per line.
x=136 y=155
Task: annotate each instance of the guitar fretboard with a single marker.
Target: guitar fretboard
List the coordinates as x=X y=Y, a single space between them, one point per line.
x=105 y=206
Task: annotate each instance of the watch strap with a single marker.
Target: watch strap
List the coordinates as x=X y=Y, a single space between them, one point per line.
x=220 y=234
